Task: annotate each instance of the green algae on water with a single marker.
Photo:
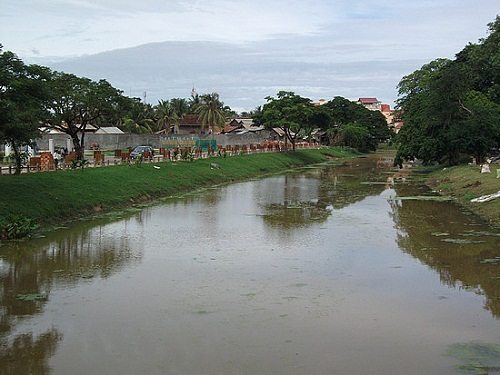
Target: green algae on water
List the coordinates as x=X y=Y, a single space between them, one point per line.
x=461 y=241
x=434 y=198
x=32 y=297
x=476 y=357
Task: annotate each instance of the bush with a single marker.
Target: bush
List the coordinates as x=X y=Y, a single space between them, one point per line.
x=16 y=226
x=355 y=136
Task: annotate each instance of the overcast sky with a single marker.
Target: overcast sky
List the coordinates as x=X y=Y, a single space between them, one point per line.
x=314 y=35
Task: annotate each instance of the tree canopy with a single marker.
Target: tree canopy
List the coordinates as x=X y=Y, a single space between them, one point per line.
x=76 y=103
x=347 y=123
x=355 y=126
x=210 y=110
x=451 y=108
x=22 y=96
x=289 y=112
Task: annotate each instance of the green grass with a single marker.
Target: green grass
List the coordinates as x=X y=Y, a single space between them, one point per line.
x=466 y=182
x=53 y=197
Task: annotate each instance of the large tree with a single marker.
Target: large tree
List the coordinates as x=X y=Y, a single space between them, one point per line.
x=78 y=102
x=23 y=89
x=289 y=112
x=355 y=126
x=450 y=107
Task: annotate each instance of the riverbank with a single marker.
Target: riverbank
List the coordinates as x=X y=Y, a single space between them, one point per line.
x=466 y=182
x=52 y=198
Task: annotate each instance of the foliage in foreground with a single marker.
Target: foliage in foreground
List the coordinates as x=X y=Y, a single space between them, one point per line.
x=16 y=226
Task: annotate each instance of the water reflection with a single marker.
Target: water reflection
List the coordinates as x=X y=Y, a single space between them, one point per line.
x=34 y=268
x=28 y=355
x=308 y=198
x=454 y=243
x=269 y=276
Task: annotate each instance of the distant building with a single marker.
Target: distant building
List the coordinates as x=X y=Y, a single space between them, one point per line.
x=319 y=102
x=241 y=126
x=108 y=130
x=191 y=124
x=372 y=104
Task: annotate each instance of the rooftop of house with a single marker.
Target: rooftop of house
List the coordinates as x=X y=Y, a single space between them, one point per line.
x=368 y=100
x=319 y=102
x=385 y=108
x=189 y=120
x=108 y=130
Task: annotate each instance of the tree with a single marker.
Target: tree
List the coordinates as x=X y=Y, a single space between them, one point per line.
x=421 y=137
x=345 y=113
x=480 y=129
x=165 y=114
x=450 y=107
x=210 y=111
x=77 y=103
x=23 y=89
x=181 y=108
x=355 y=136
x=194 y=101
x=289 y=112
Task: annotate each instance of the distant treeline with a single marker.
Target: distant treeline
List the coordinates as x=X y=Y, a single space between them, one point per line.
x=34 y=97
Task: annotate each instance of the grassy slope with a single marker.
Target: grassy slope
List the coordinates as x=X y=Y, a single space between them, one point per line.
x=465 y=183
x=52 y=197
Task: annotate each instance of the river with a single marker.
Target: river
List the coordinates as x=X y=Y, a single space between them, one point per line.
x=337 y=269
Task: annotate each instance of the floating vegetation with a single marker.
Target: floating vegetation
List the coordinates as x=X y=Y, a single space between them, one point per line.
x=461 y=241
x=491 y=261
x=249 y=295
x=32 y=297
x=435 y=198
x=479 y=233
x=477 y=358
x=299 y=285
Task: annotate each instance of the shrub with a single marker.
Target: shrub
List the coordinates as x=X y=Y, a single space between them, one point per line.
x=16 y=226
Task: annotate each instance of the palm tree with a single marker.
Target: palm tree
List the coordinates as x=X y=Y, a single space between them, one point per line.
x=140 y=120
x=210 y=111
x=181 y=108
x=129 y=125
x=165 y=114
x=146 y=118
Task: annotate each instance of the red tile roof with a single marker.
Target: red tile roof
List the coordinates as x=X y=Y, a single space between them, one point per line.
x=368 y=100
x=189 y=120
x=385 y=108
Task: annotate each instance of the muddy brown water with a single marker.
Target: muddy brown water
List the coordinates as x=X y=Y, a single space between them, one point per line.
x=322 y=271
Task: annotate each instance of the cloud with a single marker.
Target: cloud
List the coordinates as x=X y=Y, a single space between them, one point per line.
x=66 y=26
x=261 y=45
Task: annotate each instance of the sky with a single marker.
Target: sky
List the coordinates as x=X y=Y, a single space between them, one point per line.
x=245 y=50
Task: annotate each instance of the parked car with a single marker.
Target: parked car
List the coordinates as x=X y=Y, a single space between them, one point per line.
x=140 y=150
